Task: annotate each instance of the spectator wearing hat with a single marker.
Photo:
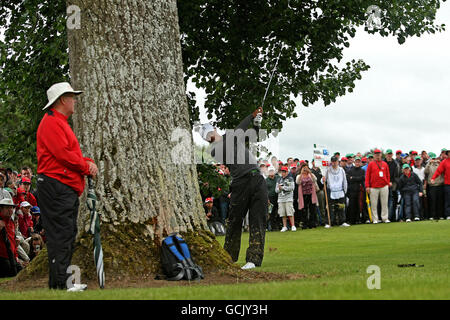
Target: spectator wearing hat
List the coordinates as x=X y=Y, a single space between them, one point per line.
x=410 y=187
x=355 y=192
x=293 y=170
x=271 y=182
x=37 y=222
x=367 y=160
x=394 y=172
x=25 y=220
x=343 y=163
x=285 y=190
x=336 y=182
x=61 y=180
x=25 y=184
x=350 y=161
x=9 y=264
x=444 y=169
x=377 y=185
x=413 y=154
x=28 y=173
x=435 y=191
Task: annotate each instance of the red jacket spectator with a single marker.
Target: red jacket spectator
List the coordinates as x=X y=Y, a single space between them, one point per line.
x=25 y=223
x=58 y=151
x=11 y=233
x=373 y=177
x=24 y=196
x=444 y=168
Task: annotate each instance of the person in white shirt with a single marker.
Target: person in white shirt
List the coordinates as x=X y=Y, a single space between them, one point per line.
x=336 y=181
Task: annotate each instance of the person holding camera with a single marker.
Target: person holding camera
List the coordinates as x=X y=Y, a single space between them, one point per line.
x=36 y=245
x=285 y=189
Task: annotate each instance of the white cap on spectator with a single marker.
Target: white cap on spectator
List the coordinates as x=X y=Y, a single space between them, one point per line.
x=57 y=90
x=25 y=204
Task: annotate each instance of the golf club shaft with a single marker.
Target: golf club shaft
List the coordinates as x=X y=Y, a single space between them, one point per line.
x=270 y=80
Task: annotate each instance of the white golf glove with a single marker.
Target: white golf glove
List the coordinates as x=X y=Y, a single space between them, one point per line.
x=257 y=120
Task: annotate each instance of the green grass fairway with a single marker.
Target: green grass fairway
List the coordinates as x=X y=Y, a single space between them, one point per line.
x=339 y=256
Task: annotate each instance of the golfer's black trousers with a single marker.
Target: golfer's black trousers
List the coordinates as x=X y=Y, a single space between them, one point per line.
x=59 y=211
x=249 y=195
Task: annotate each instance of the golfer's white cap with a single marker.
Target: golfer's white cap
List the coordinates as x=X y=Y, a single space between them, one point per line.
x=57 y=90
x=205 y=129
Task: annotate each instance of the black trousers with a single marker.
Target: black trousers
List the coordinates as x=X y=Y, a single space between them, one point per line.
x=337 y=211
x=308 y=213
x=436 y=198
x=274 y=218
x=354 y=210
x=59 y=212
x=249 y=195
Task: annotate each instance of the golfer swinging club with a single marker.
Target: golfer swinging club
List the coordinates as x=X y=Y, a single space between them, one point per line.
x=248 y=188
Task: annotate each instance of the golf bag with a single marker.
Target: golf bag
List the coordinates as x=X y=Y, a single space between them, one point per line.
x=176 y=260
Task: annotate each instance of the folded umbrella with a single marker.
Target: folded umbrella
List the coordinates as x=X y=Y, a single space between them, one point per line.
x=95 y=231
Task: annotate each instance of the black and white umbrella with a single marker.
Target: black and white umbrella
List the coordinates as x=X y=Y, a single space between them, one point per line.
x=95 y=231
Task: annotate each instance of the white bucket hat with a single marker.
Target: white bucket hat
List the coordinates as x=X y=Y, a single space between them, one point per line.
x=7 y=202
x=57 y=90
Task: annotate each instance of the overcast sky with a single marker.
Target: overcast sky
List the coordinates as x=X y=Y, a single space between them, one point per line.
x=402 y=101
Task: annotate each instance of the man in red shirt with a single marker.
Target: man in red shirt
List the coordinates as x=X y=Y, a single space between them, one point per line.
x=61 y=180
x=8 y=250
x=377 y=185
x=444 y=168
x=23 y=192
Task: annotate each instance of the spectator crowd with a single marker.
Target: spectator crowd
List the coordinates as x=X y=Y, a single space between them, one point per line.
x=354 y=189
x=22 y=236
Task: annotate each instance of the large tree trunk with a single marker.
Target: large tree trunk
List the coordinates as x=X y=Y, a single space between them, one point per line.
x=126 y=57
